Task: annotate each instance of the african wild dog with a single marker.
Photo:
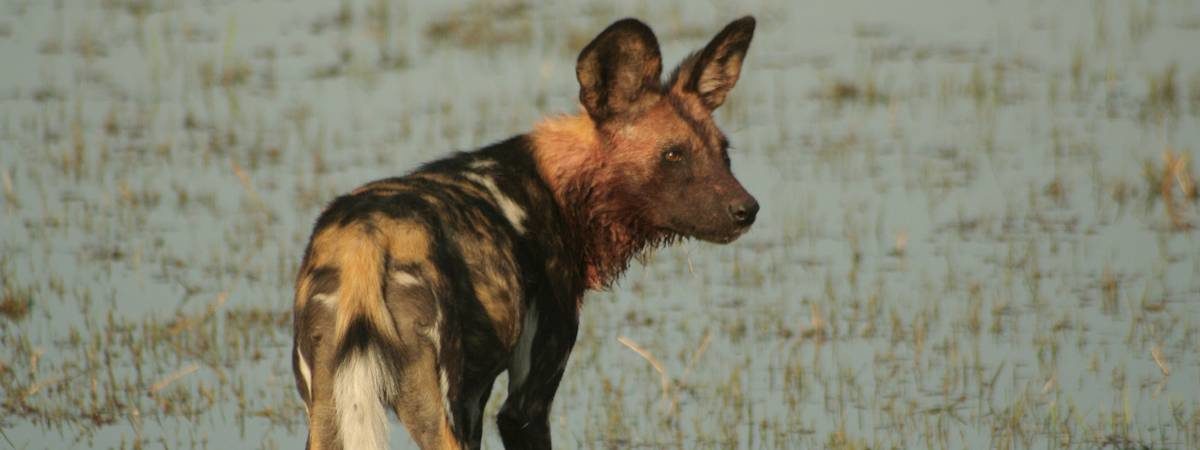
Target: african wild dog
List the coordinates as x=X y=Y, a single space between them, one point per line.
x=416 y=292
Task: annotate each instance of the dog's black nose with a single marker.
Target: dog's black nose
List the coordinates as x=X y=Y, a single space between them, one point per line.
x=743 y=212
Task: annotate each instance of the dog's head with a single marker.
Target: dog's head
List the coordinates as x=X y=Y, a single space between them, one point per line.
x=666 y=157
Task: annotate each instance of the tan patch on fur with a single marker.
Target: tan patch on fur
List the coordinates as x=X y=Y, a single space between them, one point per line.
x=407 y=242
x=303 y=285
x=382 y=188
x=449 y=442
x=500 y=308
x=432 y=200
x=498 y=294
x=564 y=146
x=355 y=253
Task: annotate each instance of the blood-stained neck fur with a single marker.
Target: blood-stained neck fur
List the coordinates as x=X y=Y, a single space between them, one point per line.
x=575 y=163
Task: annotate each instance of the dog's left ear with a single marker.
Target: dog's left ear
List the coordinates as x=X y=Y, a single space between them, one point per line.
x=711 y=73
x=619 y=71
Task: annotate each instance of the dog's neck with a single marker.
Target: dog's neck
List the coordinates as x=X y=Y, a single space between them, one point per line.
x=572 y=159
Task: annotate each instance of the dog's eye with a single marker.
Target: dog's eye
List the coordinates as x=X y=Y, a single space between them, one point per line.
x=673 y=154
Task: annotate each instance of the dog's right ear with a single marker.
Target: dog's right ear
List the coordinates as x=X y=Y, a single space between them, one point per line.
x=711 y=73
x=619 y=71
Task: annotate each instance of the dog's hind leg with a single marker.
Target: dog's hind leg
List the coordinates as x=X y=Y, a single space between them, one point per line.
x=420 y=402
x=313 y=361
x=427 y=375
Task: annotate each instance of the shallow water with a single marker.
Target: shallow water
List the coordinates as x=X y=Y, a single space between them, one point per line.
x=965 y=241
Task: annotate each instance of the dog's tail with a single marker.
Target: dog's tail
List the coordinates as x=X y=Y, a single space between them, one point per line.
x=362 y=331
x=362 y=383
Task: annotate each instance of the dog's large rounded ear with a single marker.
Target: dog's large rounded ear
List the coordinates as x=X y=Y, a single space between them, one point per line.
x=619 y=71
x=710 y=73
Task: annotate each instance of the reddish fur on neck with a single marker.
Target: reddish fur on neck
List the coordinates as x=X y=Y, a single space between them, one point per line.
x=573 y=159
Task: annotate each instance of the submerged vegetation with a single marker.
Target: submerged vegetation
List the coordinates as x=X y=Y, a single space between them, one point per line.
x=979 y=223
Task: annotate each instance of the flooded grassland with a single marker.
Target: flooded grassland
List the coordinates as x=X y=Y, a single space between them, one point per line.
x=979 y=223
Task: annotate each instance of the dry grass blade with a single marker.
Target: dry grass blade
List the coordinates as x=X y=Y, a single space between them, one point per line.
x=172 y=377
x=37 y=386
x=816 y=328
x=247 y=184
x=1175 y=176
x=704 y=341
x=664 y=379
x=10 y=194
x=1050 y=384
x=1178 y=167
x=688 y=254
x=901 y=244
x=1159 y=359
x=184 y=323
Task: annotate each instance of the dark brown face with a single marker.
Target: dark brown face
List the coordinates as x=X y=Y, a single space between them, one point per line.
x=670 y=158
x=683 y=181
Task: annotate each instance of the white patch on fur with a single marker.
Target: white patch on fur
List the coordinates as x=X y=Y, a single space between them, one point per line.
x=435 y=331
x=446 y=398
x=326 y=299
x=514 y=213
x=482 y=164
x=405 y=279
x=435 y=334
x=305 y=372
x=358 y=392
x=518 y=370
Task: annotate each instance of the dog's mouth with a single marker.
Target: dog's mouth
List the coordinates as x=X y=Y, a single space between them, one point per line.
x=723 y=236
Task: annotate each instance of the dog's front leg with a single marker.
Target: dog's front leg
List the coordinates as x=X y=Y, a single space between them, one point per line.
x=537 y=367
